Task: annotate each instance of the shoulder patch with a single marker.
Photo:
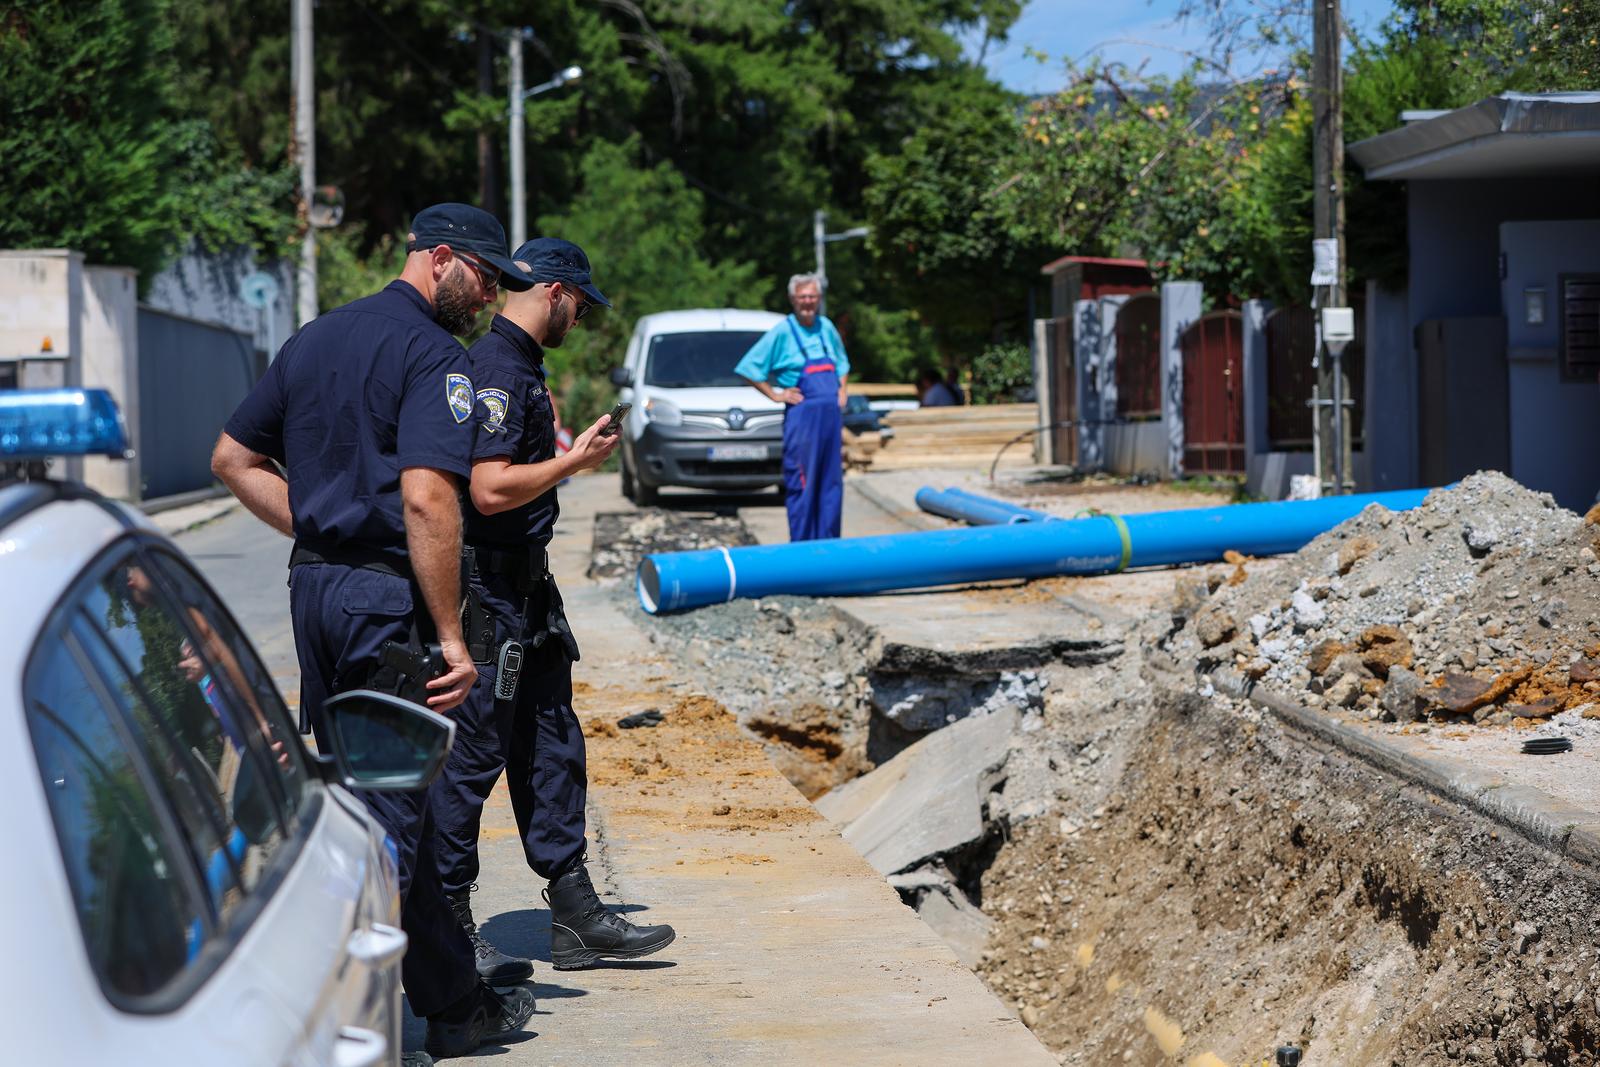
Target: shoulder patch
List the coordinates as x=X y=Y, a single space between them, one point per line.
x=496 y=403
x=458 y=392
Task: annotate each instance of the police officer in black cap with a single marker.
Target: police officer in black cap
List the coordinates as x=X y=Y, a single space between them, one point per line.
x=519 y=719
x=369 y=410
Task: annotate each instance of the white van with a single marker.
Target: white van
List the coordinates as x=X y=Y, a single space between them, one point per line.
x=694 y=422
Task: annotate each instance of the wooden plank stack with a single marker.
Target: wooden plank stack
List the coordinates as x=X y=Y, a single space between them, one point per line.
x=967 y=436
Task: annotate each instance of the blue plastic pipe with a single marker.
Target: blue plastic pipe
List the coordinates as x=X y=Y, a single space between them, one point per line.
x=674 y=581
x=974 y=509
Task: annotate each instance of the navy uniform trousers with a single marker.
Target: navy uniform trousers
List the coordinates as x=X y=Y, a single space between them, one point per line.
x=534 y=738
x=342 y=616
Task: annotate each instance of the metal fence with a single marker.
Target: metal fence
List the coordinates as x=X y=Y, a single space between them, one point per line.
x=1292 y=380
x=1139 y=358
x=1213 y=395
x=191 y=376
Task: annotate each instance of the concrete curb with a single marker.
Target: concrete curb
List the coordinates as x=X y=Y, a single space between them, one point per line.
x=1531 y=812
x=157 y=505
x=911 y=516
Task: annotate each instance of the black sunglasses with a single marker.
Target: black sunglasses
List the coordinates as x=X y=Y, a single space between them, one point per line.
x=488 y=275
x=582 y=305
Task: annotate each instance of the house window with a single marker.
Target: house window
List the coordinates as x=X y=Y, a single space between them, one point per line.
x=1580 y=326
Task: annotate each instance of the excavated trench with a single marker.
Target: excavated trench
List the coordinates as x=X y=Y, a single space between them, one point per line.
x=1148 y=875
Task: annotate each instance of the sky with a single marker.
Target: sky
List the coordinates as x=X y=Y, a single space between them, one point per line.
x=1128 y=31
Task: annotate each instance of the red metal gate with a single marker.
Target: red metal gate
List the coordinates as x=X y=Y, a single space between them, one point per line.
x=1213 y=395
x=1139 y=358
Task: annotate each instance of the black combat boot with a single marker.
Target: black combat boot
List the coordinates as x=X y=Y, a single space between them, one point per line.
x=482 y=1016
x=583 y=931
x=494 y=966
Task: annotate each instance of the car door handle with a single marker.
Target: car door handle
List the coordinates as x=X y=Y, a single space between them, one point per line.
x=359 y=1047
x=378 y=945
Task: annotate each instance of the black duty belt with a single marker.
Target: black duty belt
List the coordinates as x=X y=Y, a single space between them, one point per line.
x=525 y=567
x=370 y=559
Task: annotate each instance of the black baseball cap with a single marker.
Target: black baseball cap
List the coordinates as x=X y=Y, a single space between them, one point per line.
x=550 y=259
x=468 y=229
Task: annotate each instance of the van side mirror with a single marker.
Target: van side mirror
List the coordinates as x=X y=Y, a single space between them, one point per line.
x=621 y=377
x=382 y=742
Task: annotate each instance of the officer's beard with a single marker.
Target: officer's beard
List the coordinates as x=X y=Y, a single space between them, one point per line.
x=558 y=325
x=455 y=303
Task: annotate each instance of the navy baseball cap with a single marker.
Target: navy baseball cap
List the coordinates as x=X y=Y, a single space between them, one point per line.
x=550 y=259
x=468 y=229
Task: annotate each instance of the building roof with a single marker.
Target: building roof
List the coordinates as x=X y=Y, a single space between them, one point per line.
x=1096 y=261
x=1512 y=135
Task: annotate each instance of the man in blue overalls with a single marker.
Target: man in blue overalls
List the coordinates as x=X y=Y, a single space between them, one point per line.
x=520 y=719
x=801 y=363
x=369 y=410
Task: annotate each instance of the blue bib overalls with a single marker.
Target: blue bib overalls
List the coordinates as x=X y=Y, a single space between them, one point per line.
x=813 y=477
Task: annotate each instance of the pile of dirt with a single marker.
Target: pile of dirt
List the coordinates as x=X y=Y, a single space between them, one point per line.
x=1240 y=890
x=1481 y=605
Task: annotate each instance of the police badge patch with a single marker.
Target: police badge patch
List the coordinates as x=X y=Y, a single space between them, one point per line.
x=458 y=391
x=496 y=403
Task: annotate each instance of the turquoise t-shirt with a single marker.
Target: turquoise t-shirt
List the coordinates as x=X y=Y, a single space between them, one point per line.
x=776 y=358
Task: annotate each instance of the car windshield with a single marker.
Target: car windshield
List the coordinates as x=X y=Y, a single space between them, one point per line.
x=692 y=360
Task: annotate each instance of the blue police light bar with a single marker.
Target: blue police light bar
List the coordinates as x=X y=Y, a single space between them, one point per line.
x=41 y=423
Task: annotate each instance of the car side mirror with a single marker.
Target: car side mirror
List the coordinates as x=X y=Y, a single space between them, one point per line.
x=621 y=377
x=382 y=742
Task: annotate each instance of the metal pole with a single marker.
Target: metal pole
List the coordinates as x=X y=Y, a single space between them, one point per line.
x=305 y=153
x=1328 y=220
x=519 y=207
x=819 y=238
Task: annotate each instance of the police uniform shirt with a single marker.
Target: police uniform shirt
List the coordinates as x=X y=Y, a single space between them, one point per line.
x=355 y=397
x=515 y=423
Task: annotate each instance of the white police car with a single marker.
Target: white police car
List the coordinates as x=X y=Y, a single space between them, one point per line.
x=185 y=883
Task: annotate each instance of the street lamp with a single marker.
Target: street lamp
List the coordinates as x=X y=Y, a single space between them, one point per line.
x=519 y=179
x=821 y=238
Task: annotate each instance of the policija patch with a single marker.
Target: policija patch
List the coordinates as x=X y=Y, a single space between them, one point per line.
x=496 y=402
x=458 y=391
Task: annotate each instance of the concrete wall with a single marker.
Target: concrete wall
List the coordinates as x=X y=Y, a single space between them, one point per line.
x=1136 y=447
x=1456 y=234
x=1455 y=237
x=1267 y=472
x=1391 y=402
x=205 y=286
x=1181 y=304
x=110 y=360
x=1555 y=424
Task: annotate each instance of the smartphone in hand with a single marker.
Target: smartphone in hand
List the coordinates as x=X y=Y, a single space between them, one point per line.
x=614 y=424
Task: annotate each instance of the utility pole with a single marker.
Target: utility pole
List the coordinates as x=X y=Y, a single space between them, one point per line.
x=819 y=242
x=304 y=149
x=1327 y=99
x=488 y=144
x=820 y=239
x=519 y=179
x=518 y=95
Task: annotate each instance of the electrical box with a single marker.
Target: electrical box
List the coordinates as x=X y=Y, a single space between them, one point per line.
x=1338 y=325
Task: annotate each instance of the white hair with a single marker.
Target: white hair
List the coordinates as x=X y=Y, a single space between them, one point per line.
x=797 y=280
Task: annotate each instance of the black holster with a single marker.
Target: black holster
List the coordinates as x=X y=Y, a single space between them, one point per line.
x=405 y=672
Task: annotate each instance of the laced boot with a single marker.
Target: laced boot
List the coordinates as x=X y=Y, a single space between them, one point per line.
x=494 y=966
x=482 y=1016
x=583 y=931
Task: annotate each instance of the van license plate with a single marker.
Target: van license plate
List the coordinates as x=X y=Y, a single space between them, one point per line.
x=736 y=452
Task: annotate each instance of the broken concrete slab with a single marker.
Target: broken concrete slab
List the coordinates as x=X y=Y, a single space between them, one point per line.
x=929 y=800
x=958 y=632
x=957 y=921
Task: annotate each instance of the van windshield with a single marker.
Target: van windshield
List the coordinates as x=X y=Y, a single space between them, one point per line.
x=691 y=360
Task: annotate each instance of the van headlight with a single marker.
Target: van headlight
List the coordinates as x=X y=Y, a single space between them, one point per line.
x=663 y=412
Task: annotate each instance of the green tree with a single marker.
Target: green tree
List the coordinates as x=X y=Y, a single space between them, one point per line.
x=92 y=148
x=642 y=228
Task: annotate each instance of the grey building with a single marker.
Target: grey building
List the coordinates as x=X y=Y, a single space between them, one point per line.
x=1491 y=357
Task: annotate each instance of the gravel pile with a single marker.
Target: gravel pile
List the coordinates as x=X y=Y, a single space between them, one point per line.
x=623 y=538
x=1481 y=605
